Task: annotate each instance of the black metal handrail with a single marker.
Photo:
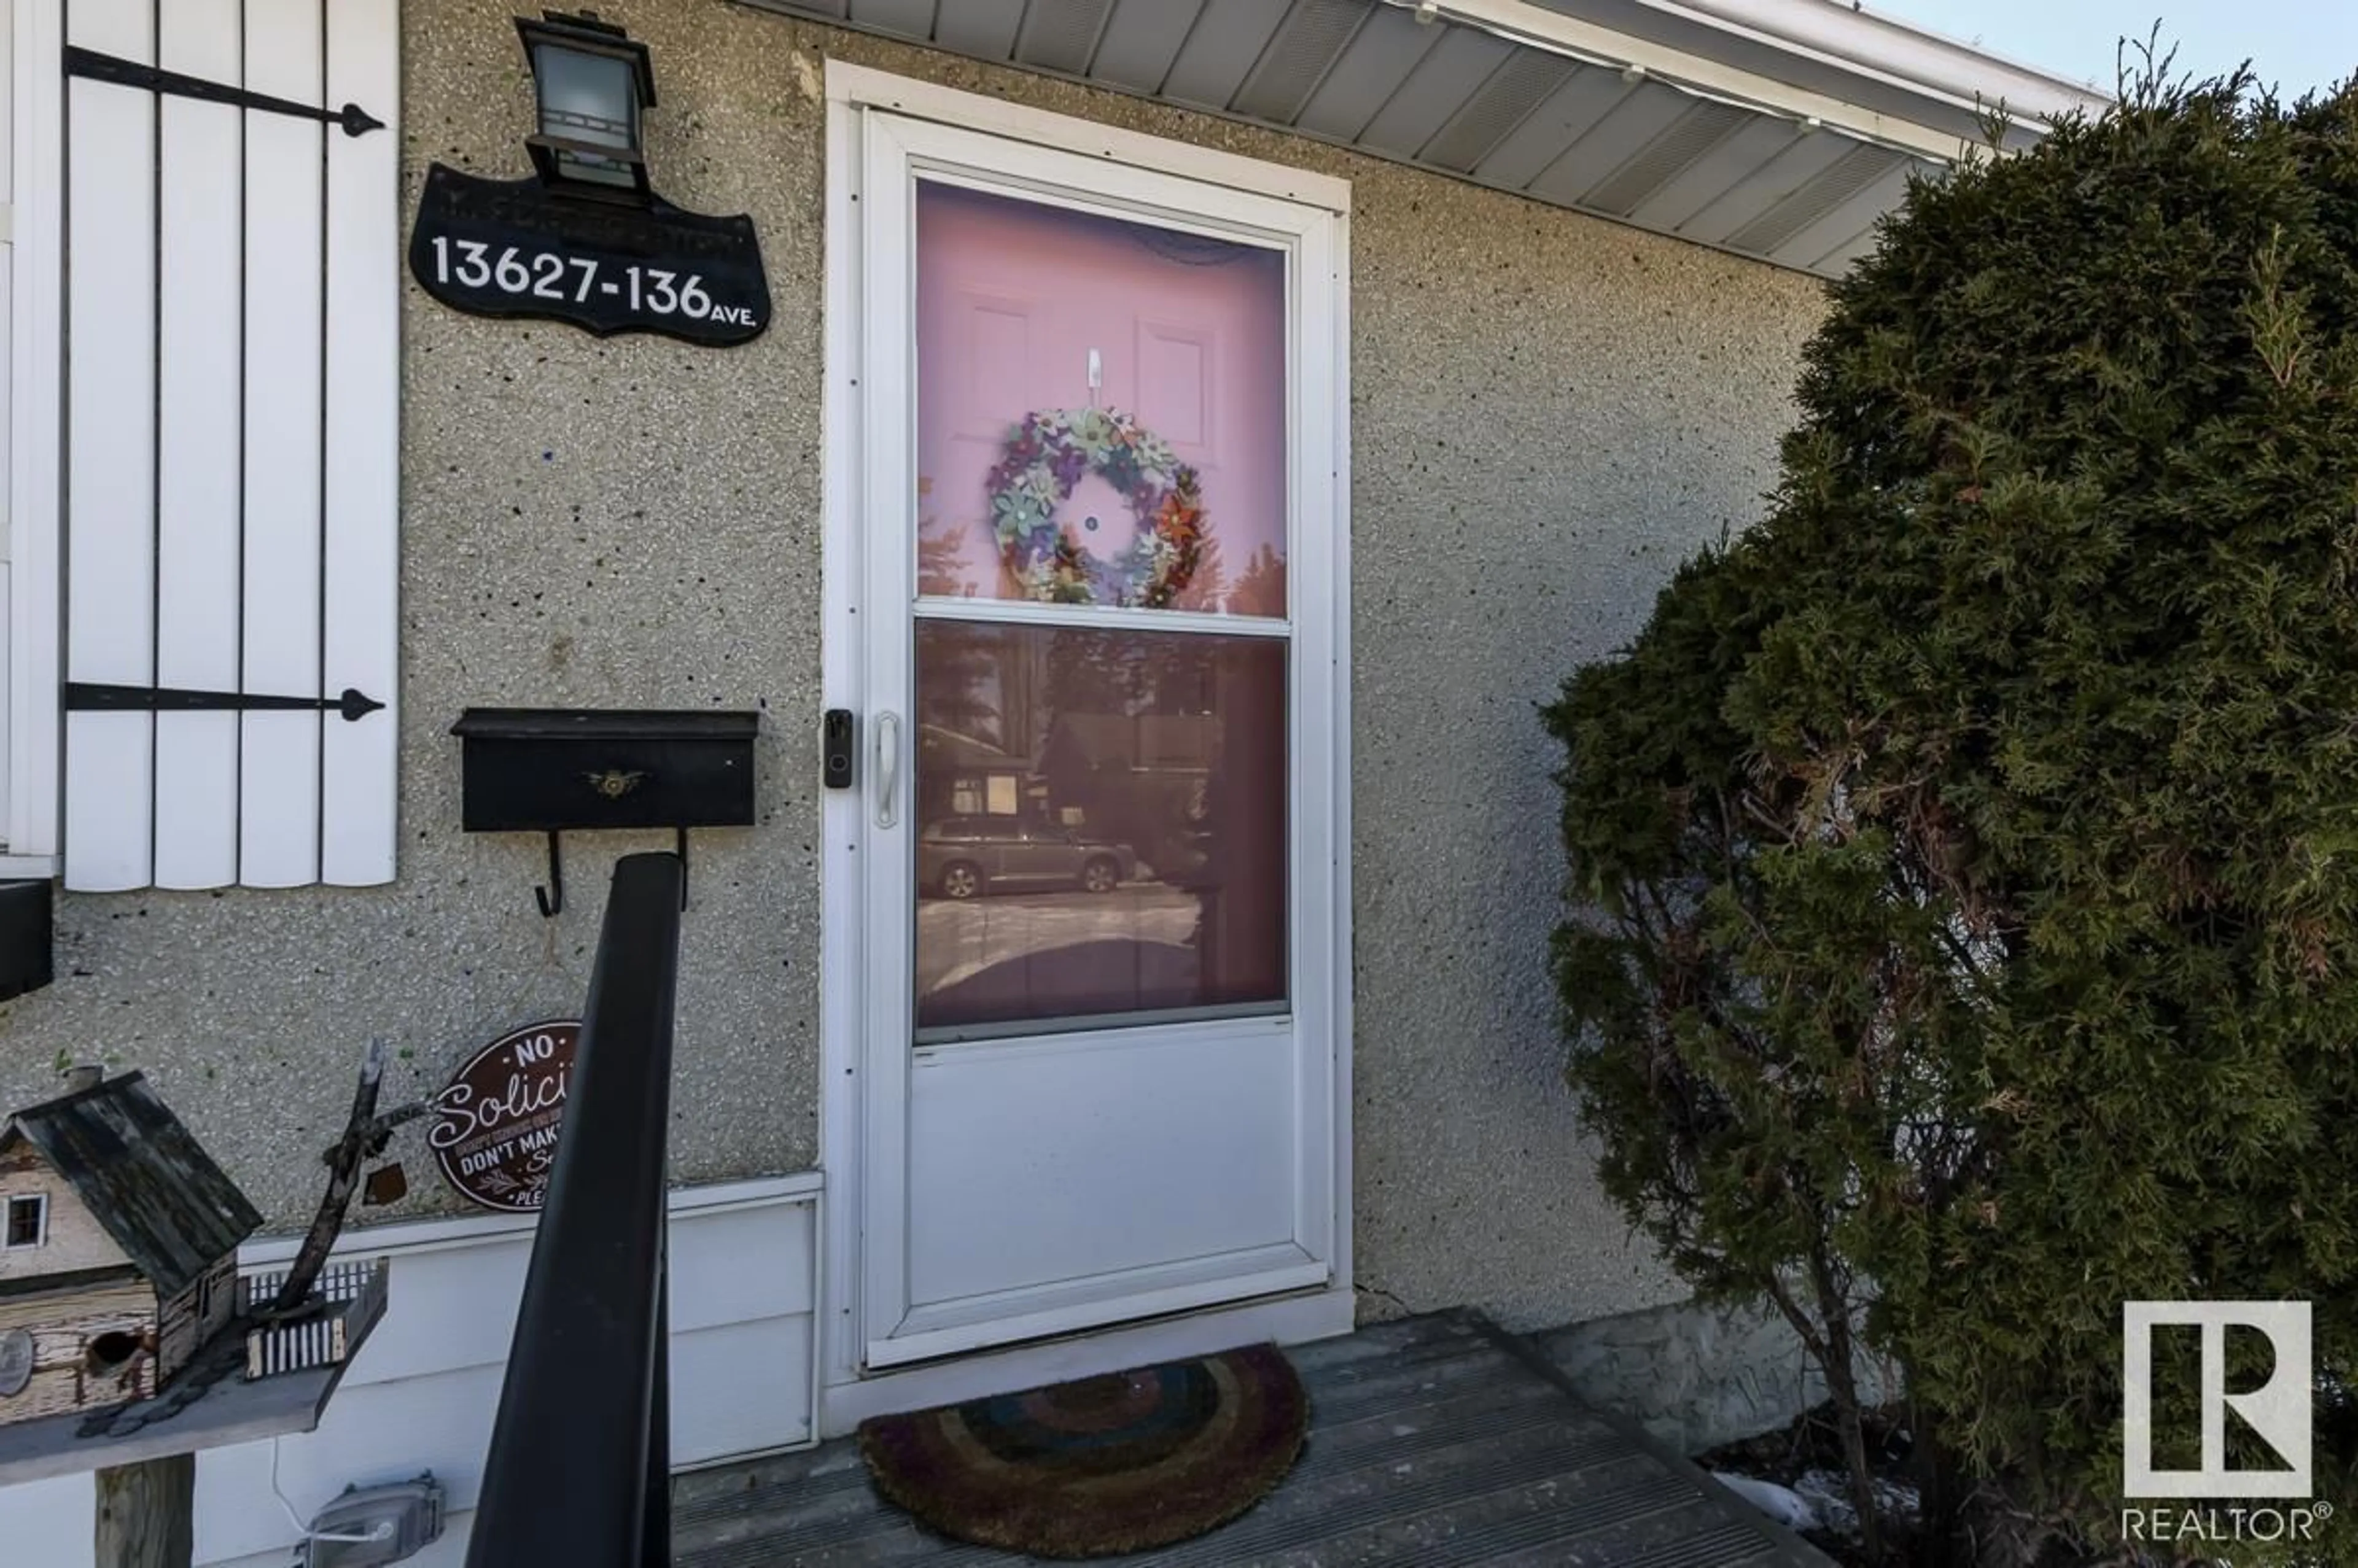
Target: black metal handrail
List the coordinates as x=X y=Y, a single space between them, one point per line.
x=579 y=1469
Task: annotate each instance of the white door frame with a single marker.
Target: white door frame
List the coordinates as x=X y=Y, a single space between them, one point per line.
x=878 y=120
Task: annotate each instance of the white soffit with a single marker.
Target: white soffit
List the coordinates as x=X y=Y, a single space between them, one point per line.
x=1779 y=130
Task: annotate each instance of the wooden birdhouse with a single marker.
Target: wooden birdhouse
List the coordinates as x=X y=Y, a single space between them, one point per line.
x=118 y=1249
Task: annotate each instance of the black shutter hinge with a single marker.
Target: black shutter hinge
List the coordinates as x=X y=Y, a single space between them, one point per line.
x=355 y=120
x=86 y=696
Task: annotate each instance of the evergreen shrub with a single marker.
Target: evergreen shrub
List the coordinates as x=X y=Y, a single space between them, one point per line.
x=1963 y=929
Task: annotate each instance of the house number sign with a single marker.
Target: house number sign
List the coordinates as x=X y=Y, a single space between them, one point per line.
x=518 y=248
x=495 y=1126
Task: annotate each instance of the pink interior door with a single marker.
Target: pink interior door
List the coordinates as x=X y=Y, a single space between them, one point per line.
x=1023 y=307
x=1103 y=1063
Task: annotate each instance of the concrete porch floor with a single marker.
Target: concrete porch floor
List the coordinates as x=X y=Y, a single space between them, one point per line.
x=1435 y=1441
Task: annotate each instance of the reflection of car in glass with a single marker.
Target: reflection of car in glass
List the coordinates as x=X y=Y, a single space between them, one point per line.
x=960 y=856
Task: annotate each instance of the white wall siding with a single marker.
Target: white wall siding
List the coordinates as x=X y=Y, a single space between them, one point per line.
x=423 y=1391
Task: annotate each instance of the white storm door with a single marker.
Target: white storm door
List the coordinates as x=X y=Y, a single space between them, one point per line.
x=1099 y=621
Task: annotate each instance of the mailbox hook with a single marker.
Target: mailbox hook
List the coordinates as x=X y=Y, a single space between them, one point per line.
x=551 y=898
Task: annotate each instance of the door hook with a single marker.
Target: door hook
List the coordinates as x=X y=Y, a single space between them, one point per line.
x=551 y=898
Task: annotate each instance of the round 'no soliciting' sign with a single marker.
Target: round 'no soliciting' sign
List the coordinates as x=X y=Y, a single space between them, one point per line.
x=495 y=1126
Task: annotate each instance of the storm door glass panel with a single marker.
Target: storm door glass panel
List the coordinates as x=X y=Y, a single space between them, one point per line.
x=1101 y=410
x=1100 y=637
x=1101 y=823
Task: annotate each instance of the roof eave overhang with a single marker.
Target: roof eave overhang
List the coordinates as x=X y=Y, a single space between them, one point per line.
x=1811 y=60
x=1781 y=131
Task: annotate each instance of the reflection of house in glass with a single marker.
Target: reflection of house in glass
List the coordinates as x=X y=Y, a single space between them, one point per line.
x=960 y=775
x=1141 y=778
x=1166 y=750
x=1137 y=779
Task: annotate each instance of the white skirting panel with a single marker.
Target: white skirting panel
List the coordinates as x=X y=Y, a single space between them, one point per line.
x=423 y=1391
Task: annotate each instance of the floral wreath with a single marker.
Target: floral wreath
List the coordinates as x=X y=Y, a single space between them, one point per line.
x=1045 y=457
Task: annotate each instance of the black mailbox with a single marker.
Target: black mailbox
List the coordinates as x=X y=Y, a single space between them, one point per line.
x=25 y=938
x=549 y=770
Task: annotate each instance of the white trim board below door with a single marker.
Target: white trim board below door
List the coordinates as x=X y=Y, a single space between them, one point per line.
x=1286 y=1320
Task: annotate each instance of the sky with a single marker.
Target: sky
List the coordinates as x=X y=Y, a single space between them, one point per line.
x=2296 y=44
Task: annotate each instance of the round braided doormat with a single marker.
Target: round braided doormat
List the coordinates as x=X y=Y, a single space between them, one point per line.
x=1099 y=1466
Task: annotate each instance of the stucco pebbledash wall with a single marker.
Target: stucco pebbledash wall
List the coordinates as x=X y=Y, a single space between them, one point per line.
x=1547 y=413
x=624 y=522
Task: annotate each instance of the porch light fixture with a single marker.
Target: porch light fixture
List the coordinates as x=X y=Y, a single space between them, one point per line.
x=591 y=81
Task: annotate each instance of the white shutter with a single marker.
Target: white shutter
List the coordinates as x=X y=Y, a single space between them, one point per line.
x=286 y=385
x=232 y=535
x=7 y=375
x=35 y=606
x=111 y=450
x=199 y=488
x=361 y=633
